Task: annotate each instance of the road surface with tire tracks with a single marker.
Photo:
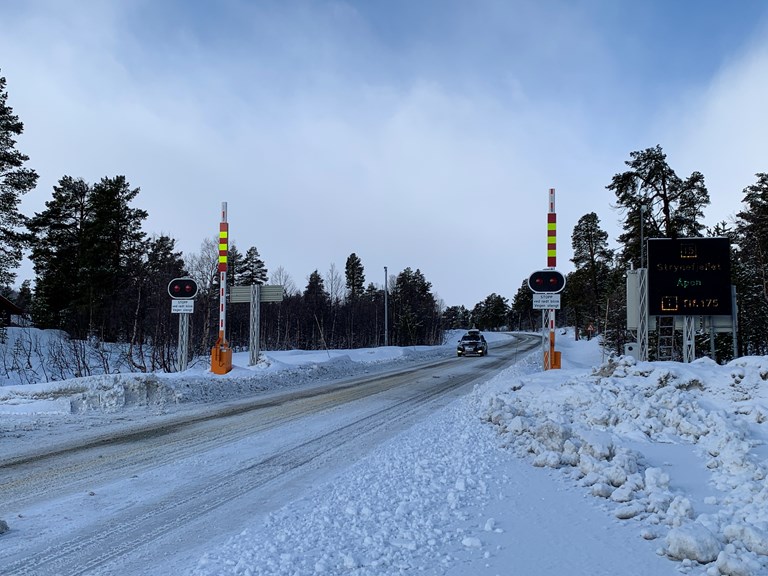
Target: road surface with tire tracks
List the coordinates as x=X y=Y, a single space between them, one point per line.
x=198 y=479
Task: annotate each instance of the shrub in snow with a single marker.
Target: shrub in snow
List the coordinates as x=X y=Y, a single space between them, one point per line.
x=3 y=527
x=693 y=542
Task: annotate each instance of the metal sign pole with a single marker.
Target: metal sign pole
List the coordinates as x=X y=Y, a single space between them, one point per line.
x=546 y=286
x=253 y=348
x=221 y=353
x=182 y=352
x=223 y=253
x=642 y=321
x=182 y=292
x=545 y=339
x=734 y=321
x=689 y=342
x=386 y=312
x=549 y=358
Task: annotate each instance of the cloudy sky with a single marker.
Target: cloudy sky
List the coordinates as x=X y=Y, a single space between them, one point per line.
x=422 y=134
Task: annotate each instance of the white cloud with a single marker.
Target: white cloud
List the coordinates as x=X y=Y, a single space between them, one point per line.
x=326 y=136
x=721 y=131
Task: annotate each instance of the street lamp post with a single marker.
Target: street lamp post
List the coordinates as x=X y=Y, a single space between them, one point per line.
x=386 y=313
x=642 y=235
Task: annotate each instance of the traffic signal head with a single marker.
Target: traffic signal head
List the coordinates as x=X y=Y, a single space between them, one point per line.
x=546 y=281
x=182 y=288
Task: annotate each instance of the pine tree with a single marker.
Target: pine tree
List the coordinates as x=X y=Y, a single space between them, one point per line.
x=491 y=313
x=316 y=301
x=58 y=242
x=253 y=270
x=152 y=323
x=355 y=277
x=455 y=317
x=15 y=180
x=416 y=314
x=522 y=311
x=235 y=266
x=315 y=294
x=24 y=297
x=750 y=271
x=578 y=305
x=673 y=207
x=588 y=284
x=113 y=256
x=88 y=251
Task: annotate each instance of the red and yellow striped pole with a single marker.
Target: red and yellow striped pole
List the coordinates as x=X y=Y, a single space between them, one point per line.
x=221 y=353
x=551 y=356
x=552 y=232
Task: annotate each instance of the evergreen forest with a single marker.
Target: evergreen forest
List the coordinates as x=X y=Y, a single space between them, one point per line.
x=99 y=277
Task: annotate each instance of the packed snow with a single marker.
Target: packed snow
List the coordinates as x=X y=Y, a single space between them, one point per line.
x=607 y=466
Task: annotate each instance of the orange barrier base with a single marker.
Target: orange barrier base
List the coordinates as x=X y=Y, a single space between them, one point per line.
x=221 y=359
x=552 y=359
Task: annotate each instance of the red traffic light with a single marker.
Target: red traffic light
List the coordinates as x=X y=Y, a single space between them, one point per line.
x=182 y=288
x=546 y=281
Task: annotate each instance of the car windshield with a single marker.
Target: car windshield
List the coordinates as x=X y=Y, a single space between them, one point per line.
x=471 y=337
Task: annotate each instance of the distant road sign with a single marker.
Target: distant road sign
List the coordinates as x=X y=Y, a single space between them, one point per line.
x=272 y=293
x=269 y=293
x=546 y=301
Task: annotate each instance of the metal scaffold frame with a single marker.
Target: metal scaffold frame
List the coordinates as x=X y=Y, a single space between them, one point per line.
x=642 y=322
x=689 y=342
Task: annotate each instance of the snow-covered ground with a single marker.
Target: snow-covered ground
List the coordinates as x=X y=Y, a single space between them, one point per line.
x=604 y=467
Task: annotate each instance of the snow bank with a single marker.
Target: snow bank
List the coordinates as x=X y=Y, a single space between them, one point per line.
x=612 y=430
x=678 y=452
x=110 y=393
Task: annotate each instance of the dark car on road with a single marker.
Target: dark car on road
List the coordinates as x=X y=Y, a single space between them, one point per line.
x=472 y=344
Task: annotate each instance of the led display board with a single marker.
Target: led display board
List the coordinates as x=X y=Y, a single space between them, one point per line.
x=689 y=277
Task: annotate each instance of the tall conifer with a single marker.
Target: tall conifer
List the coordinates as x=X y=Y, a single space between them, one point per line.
x=15 y=180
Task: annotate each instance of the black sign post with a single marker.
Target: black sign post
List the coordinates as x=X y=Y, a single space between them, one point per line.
x=183 y=291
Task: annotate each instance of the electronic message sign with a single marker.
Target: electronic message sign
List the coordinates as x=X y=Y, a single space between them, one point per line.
x=689 y=277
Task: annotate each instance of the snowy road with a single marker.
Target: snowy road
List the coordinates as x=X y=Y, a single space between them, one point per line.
x=198 y=478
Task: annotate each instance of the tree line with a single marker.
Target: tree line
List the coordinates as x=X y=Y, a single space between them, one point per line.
x=657 y=203
x=654 y=202
x=99 y=276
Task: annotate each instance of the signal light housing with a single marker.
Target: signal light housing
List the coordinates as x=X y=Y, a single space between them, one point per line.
x=546 y=281
x=182 y=288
